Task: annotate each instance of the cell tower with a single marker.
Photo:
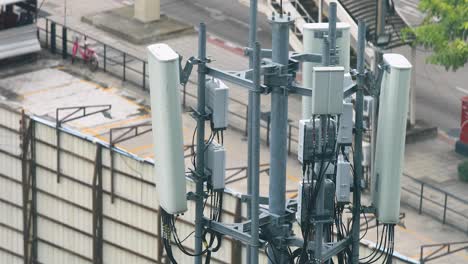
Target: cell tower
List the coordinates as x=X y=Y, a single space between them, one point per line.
x=330 y=146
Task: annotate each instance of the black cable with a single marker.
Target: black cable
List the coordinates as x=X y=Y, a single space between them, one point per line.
x=389 y=255
x=320 y=178
x=379 y=249
x=193 y=147
x=179 y=244
x=207 y=143
x=165 y=217
x=367 y=226
x=383 y=251
x=377 y=246
x=216 y=216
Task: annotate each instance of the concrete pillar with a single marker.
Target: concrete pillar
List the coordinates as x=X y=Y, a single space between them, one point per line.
x=147 y=10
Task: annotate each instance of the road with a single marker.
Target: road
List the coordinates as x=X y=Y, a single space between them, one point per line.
x=227 y=19
x=438 y=92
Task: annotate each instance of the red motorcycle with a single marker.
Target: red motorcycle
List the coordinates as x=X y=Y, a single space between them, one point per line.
x=87 y=54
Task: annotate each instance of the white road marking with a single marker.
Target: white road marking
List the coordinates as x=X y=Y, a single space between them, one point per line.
x=461 y=90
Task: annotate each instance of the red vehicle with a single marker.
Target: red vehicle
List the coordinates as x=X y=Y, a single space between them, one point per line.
x=87 y=54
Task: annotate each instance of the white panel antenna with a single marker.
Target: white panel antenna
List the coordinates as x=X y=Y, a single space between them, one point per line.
x=390 y=143
x=167 y=128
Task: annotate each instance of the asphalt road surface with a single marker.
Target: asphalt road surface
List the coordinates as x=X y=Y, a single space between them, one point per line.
x=438 y=92
x=227 y=19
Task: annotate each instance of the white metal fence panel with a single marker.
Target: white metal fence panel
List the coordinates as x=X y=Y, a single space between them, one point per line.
x=11 y=200
x=66 y=211
x=11 y=237
x=10 y=258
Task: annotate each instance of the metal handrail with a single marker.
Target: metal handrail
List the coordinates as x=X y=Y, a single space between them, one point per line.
x=307 y=17
x=438 y=253
x=445 y=206
x=436 y=188
x=127 y=57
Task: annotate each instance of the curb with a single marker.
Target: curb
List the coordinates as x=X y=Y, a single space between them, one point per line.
x=226 y=45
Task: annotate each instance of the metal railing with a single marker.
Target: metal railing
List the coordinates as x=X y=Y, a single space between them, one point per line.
x=303 y=11
x=438 y=208
x=132 y=69
x=112 y=60
x=441 y=250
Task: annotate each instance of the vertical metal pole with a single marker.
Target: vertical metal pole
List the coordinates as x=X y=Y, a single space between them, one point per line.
x=64 y=42
x=24 y=137
x=65 y=13
x=358 y=141
x=421 y=198
x=184 y=98
x=421 y=260
x=97 y=207
x=326 y=53
x=329 y=52
x=279 y=127
x=252 y=29
x=254 y=155
x=57 y=130
x=252 y=40
x=144 y=75
x=320 y=11
x=381 y=14
x=445 y=209
x=159 y=243
x=47 y=33
x=105 y=58
x=34 y=249
x=236 y=246
x=124 y=65
x=246 y=133
x=200 y=142
x=268 y=129
x=112 y=173
x=53 y=37
x=332 y=32
x=320 y=203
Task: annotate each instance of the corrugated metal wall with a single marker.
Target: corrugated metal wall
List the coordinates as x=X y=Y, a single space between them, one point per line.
x=63 y=214
x=11 y=200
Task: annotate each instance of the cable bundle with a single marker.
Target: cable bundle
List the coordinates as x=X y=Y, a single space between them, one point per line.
x=384 y=248
x=169 y=230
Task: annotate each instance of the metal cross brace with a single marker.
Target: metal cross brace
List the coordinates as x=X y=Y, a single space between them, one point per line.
x=77 y=113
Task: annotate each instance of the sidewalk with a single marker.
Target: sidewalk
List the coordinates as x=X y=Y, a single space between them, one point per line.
x=434 y=163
